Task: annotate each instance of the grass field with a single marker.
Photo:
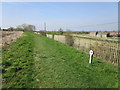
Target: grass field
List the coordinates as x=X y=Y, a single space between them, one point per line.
x=39 y=62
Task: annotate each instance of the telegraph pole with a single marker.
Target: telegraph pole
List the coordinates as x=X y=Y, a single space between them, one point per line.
x=44 y=26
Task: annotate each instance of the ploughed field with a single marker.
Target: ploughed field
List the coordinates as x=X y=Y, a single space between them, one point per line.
x=6 y=37
x=35 y=61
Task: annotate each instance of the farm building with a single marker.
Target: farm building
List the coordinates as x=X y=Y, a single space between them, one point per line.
x=93 y=33
x=114 y=33
x=99 y=34
x=103 y=34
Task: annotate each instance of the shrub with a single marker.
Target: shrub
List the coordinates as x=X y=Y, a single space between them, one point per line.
x=52 y=35
x=69 y=39
x=42 y=33
x=60 y=31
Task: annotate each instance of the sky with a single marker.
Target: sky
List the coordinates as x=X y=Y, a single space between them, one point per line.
x=76 y=16
x=60 y=0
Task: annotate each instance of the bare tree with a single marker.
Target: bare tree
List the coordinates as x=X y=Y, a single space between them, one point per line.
x=60 y=31
x=11 y=29
x=31 y=27
x=19 y=29
x=26 y=27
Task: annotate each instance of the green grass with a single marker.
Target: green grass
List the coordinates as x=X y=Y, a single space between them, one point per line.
x=61 y=66
x=46 y=63
x=18 y=63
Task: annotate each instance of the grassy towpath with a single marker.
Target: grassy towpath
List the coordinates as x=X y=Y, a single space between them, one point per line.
x=61 y=66
x=35 y=61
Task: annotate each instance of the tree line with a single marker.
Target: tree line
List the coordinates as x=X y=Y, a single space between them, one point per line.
x=23 y=27
x=61 y=32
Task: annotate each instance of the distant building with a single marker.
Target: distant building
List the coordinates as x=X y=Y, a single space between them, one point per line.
x=99 y=34
x=4 y=29
x=93 y=33
x=114 y=33
x=103 y=34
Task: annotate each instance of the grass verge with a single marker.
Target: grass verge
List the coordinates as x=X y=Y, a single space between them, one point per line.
x=18 y=63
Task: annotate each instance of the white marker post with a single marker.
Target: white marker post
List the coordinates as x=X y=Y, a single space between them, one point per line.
x=91 y=54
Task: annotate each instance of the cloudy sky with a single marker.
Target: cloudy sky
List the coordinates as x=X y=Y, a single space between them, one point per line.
x=77 y=16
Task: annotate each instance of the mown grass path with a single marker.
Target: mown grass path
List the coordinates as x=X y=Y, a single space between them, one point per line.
x=61 y=66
